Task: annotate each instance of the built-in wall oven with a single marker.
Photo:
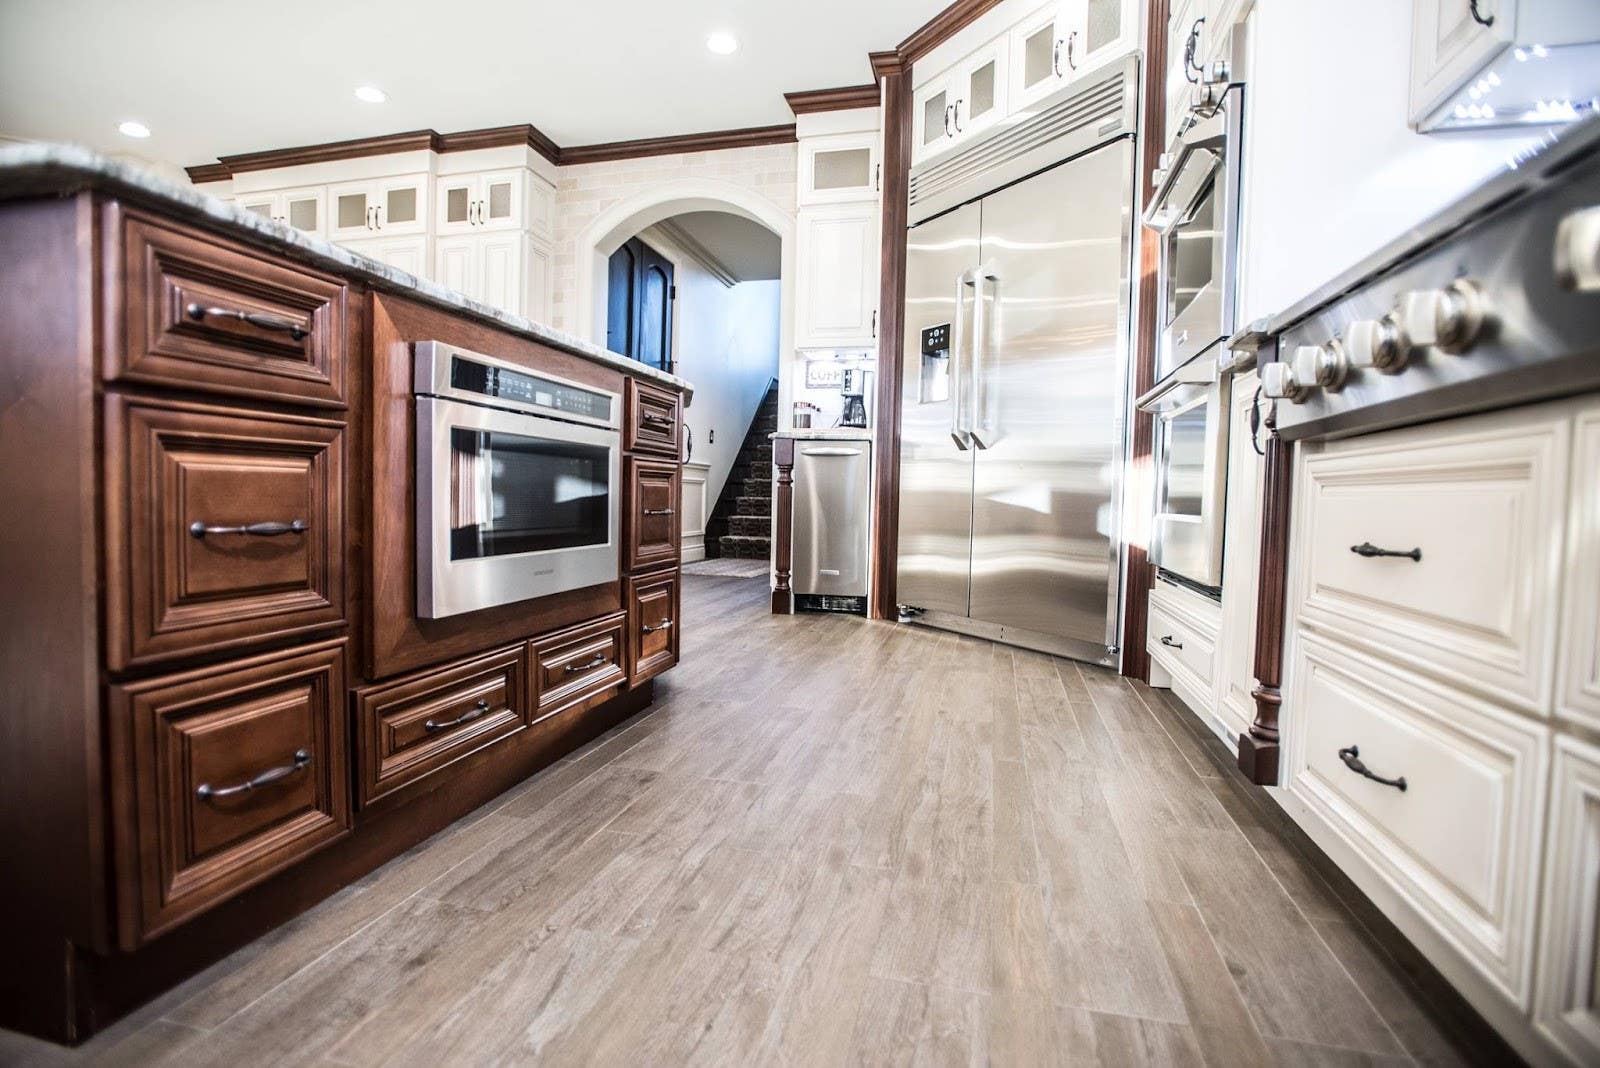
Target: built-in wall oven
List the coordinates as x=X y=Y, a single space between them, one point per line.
x=1195 y=214
x=517 y=482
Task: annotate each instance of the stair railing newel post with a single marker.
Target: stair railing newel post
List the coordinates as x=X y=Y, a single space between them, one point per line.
x=1259 y=746
x=783 y=506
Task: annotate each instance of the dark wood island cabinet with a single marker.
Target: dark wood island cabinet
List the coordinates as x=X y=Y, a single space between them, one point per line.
x=220 y=703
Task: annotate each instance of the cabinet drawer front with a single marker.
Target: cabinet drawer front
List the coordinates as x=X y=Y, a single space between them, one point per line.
x=654 y=419
x=1461 y=842
x=1175 y=641
x=575 y=666
x=224 y=527
x=410 y=729
x=200 y=312
x=653 y=523
x=1480 y=501
x=223 y=777
x=653 y=625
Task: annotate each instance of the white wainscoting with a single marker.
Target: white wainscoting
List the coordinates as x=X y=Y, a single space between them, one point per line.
x=694 y=511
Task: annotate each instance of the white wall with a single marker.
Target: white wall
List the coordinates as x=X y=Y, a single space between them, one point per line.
x=1333 y=172
x=725 y=341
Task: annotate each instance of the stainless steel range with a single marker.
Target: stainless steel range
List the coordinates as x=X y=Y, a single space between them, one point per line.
x=1493 y=302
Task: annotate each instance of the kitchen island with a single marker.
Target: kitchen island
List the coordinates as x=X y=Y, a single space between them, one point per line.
x=225 y=701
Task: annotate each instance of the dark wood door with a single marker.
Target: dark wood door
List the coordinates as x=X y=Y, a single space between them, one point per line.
x=652 y=528
x=639 y=304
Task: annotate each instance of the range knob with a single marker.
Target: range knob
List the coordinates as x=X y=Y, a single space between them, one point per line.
x=1278 y=382
x=1450 y=319
x=1380 y=344
x=1577 y=251
x=1324 y=366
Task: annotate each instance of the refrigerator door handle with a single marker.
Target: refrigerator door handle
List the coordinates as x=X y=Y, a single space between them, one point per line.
x=958 y=430
x=981 y=428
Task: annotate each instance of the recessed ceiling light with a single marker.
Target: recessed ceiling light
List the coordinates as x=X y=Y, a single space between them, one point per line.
x=371 y=94
x=134 y=129
x=723 y=43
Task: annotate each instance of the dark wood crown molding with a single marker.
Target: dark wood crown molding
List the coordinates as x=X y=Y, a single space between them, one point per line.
x=885 y=63
x=841 y=99
x=943 y=26
x=209 y=172
x=409 y=141
x=501 y=137
x=713 y=141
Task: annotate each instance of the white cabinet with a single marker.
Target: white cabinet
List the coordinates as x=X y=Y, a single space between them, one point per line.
x=505 y=270
x=1235 y=707
x=1097 y=32
x=961 y=103
x=1567 y=1004
x=303 y=209
x=1181 y=638
x=836 y=295
x=469 y=203
x=839 y=168
x=408 y=253
x=388 y=207
x=1578 y=685
x=1449 y=40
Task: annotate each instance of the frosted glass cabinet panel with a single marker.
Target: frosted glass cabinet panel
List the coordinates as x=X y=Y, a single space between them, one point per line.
x=388 y=207
x=469 y=203
x=839 y=168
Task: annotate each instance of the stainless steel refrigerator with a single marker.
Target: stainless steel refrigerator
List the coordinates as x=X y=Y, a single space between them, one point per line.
x=1015 y=377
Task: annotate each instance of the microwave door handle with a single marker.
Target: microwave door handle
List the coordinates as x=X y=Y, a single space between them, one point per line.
x=981 y=428
x=958 y=432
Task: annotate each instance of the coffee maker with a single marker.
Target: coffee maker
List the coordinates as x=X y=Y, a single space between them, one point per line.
x=856 y=384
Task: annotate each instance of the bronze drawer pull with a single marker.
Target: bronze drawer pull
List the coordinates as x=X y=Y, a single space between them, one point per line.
x=600 y=660
x=663 y=625
x=1166 y=639
x=466 y=717
x=256 y=319
x=302 y=760
x=657 y=511
x=1352 y=760
x=1370 y=550
x=658 y=420
x=200 y=529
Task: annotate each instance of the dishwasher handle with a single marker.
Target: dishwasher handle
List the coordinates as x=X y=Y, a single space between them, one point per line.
x=830 y=452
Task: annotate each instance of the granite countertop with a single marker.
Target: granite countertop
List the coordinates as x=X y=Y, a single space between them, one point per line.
x=33 y=170
x=838 y=433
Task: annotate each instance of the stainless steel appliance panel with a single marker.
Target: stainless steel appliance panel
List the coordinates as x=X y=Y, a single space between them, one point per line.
x=1048 y=394
x=935 y=539
x=1190 y=453
x=832 y=517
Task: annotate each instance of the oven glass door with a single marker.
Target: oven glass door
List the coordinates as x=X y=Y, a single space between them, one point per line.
x=1191 y=451
x=510 y=506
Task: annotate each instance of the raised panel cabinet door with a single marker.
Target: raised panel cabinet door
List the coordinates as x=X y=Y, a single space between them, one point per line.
x=540 y=280
x=1235 y=708
x=223 y=527
x=1187 y=19
x=838 y=271
x=409 y=254
x=1449 y=41
x=653 y=625
x=500 y=271
x=457 y=265
x=652 y=531
x=412 y=729
x=223 y=777
x=653 y=420
x=580 y=666
x=198 y=312
x=1380 y=521
x=1567 y=1001
x=1461 y=842
x=1578 y=685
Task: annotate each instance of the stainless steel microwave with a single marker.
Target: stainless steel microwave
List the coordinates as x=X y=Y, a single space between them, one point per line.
x=517 y=483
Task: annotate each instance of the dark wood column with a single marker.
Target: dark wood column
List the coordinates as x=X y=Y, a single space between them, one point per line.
x=894 y=76
x=1258 y=747
x=1136 y=526
x=783 y=520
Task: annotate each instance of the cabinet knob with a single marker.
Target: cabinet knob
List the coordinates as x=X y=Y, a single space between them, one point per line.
x=1577 y=251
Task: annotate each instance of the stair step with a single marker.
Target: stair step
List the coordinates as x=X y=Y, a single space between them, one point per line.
x=750 y=526
x=751 y=506
x=757 y=487
x=746 y=548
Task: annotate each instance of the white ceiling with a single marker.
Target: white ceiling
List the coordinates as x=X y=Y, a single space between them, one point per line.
x=217 y=77
x=747 y=250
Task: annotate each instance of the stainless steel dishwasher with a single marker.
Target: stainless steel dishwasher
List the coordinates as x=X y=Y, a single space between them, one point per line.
x=832 y=524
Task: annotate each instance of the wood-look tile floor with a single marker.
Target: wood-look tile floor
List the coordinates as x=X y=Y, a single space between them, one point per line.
x=830 y=842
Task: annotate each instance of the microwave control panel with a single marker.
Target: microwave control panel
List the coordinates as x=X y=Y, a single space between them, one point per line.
x=529 y=390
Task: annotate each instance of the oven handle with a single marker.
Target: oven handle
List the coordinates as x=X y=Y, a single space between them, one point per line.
x=1181 y=386
x=1209 y=137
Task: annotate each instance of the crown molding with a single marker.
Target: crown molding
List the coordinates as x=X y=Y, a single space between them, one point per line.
x=712 y=141
x=886 y=63
x=209 y=172
x=500 y=137
x=943 y=26
x=844 y=98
